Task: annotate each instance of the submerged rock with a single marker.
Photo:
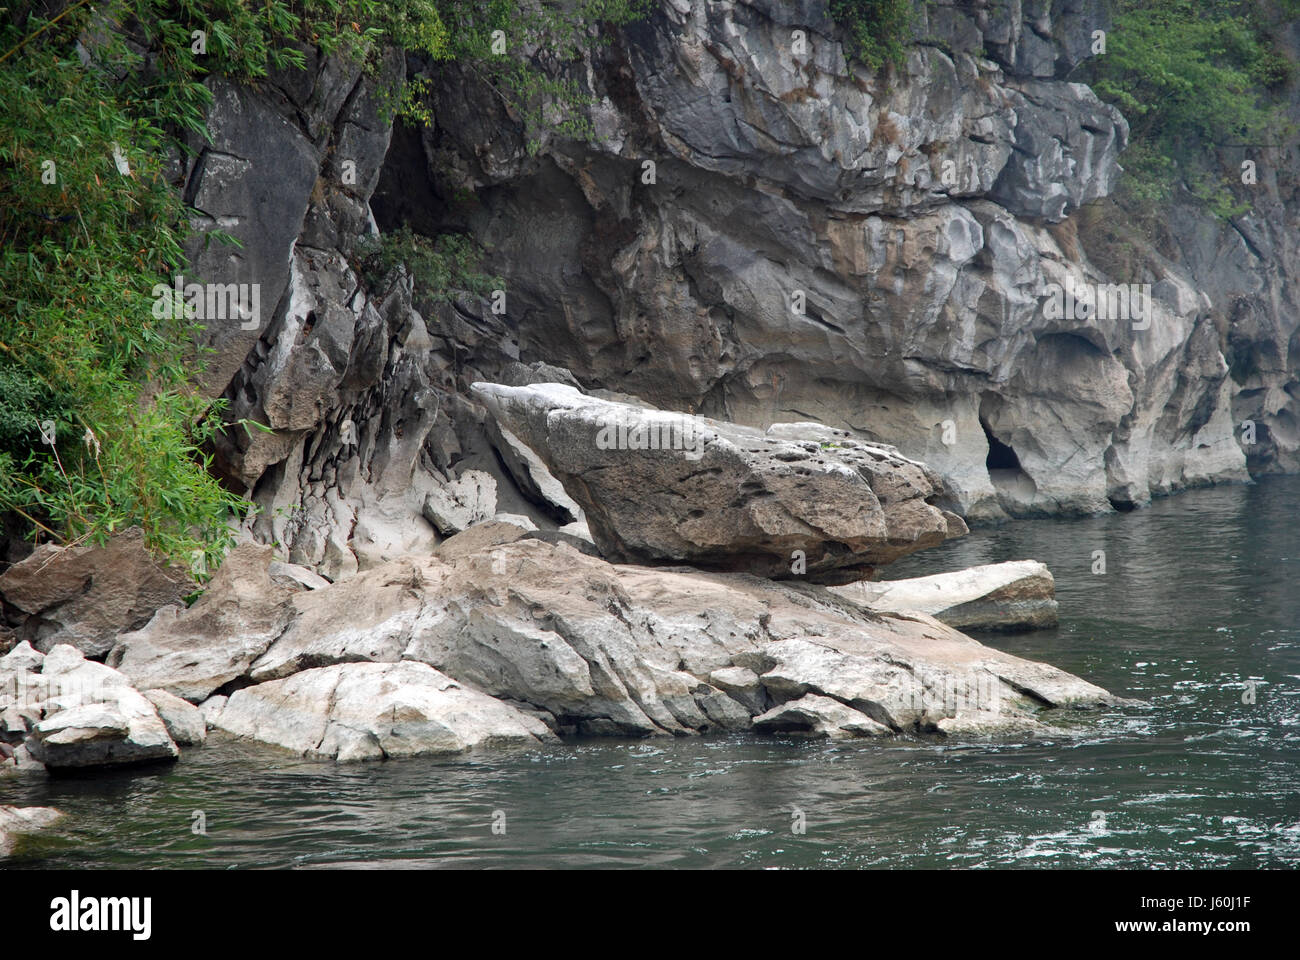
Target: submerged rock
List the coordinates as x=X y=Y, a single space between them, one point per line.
x=800 y=500
x=19 y=821
x=1017 y=595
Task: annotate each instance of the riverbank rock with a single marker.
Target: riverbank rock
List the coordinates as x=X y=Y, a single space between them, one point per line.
x=800 y=500
x=192 y=653
x=20 y=821
x=372 y=711
x=184 y=723
x=86 y=596
x=1017 y=595
x=90 y=715
x=594 y=648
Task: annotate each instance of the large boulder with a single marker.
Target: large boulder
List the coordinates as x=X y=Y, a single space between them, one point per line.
x=596 y=648
x=192 y=653
x=1016 y=595
x=798 y=500
x=372 y=711
x=85 y=596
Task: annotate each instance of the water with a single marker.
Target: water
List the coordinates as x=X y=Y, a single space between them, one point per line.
x=1199 y=597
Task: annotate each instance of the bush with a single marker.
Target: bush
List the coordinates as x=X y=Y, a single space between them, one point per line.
x=1190 y=76
x=878 y=30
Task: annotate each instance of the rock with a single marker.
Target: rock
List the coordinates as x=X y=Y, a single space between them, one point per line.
x=1016 y=595
x=22 y=657
x=819 y=717
x=294 y=576
x=184 y=722
x=490 y=533
x=518 y=519
x=211 y=708
x=649 y=484
x=469 y=499
x=532 y=478
x=192 y=653
x=93 y=717
x=85 y=596
x=372 y=711
x=621 y=650
x=20 y=821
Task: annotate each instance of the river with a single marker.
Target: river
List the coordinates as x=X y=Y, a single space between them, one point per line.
x=1199 y=598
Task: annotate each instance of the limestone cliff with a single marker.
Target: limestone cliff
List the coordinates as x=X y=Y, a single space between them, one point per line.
x=813 y=242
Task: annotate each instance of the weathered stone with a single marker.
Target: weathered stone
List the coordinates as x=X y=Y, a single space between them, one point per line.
x=192 y=653
x=85 y=596
x=1016 y=595
x=372 y=711
x=661 y=487
x=820 y=717
x=469 y=499
x=184 y=723
x=16 y=822
x=93 y=717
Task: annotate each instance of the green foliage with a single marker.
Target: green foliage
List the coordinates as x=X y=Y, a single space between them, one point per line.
x=522 y=49
x=438 y=265
x=878 y=30
x=1190 y=76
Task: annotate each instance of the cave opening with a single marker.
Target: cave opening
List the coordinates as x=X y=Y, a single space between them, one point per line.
x=1001 y=456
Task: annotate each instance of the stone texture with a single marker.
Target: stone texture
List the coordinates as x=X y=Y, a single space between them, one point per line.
x=85 y=596
x=818 y=717
x=1016 y=595
x=716 y=495
x=372 y=711
x=184 y=723
x=192 y=653
x=20 y=821
x=91 y=716
x=606 y=649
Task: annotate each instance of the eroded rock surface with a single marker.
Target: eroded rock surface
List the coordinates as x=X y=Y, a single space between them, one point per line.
x=800 y=500
x=1016 y=595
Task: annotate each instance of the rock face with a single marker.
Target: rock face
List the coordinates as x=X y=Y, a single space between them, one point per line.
x=371 y=711
x=800 y=500
x=86 y=596
x=18 y=821
x=880 y=254
x=1017 y=595
x=501 y=642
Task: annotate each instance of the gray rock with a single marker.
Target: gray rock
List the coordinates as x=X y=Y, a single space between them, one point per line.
x=93 y=717
x=372 y=711
x=819 y=717
x=85 y=596
x=184 y=722
x=652 y=487
x=20 y=821
x=192 y=653
x=1016 y=595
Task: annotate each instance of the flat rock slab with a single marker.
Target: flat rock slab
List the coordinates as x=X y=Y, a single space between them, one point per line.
x=595 y=648
x=1017 y=595
x=372 y=711
x=801 y=500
